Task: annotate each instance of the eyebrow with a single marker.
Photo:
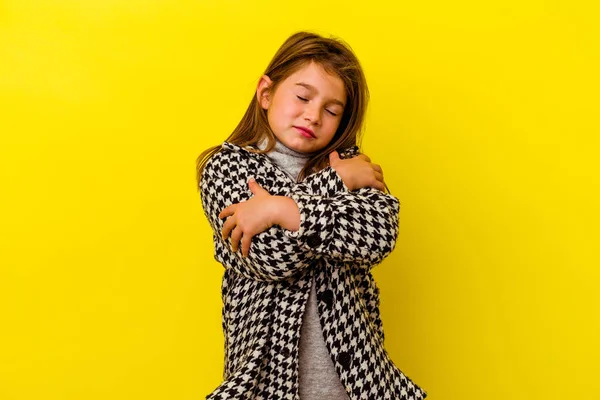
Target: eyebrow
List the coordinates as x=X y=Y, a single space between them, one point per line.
x=311 y=87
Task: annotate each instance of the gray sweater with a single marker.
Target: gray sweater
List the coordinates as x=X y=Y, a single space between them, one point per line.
x=318 y=379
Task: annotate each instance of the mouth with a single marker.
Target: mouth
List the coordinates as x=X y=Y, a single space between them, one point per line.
x=305 y=132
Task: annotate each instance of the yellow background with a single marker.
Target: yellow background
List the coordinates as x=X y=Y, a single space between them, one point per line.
x=484 y=117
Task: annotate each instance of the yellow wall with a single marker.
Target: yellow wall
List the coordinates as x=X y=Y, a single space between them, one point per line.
x=484 y=116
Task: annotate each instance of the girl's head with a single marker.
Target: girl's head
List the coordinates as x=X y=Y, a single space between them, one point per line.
x=305 y=109
x=314 y=83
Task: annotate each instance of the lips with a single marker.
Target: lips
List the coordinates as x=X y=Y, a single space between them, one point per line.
x=306 y=130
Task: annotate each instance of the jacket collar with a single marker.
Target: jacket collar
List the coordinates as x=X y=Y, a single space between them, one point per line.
x=235 y=147
x=349 y=152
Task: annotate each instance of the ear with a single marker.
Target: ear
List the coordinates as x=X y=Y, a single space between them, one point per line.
x=263 y=91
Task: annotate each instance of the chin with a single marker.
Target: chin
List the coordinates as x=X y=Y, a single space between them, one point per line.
x=296 y=143
x=306 y=147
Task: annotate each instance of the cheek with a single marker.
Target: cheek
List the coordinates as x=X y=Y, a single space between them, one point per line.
x=293 y=110
x=288 y=106
x=332 y=124
x=280 y=112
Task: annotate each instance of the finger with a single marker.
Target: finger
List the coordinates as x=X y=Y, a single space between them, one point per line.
x=377 y=184
x=236 y=235
x=333 y=156
x=364 y=157
x=377 y=168
x=256 y=188
x=228 y=227
x=246 y=241
x=380 y=186
x=253 y=185
x=379 y=176
x=227 y=211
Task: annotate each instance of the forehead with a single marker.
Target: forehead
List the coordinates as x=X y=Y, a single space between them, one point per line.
x=314 y=77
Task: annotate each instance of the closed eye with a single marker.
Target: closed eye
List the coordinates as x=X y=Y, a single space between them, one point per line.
x=303 y=99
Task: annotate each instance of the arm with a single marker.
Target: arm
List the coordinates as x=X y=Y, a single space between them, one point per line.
x=278 y=253
x=359 y=226
x=273 y=255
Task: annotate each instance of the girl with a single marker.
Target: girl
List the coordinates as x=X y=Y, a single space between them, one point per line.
x=298 y=228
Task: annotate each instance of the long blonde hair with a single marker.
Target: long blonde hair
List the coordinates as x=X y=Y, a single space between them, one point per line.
x=301 y=48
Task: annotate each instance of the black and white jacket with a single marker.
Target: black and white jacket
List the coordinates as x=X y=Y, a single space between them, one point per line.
x=343 y=234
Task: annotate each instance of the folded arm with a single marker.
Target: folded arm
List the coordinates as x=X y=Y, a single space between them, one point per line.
x=359 y=226
x=273 y=255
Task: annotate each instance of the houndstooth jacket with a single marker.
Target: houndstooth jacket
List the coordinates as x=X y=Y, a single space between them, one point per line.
x=343 y=234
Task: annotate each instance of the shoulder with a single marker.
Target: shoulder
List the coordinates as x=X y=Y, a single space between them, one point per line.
x=229 y=160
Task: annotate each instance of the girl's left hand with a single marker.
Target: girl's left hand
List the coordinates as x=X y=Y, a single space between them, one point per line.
x=248 y=218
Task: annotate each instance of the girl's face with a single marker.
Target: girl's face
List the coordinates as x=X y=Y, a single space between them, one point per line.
x=306 y=108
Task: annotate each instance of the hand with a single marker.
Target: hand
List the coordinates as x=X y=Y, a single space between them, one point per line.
x=357 y=172
x=248 y=218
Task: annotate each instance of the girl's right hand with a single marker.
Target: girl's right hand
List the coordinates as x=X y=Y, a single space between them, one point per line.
x=357 y=172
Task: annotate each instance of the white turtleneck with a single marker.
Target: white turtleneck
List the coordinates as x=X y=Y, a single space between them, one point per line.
x=291 y=161
x=318 y=379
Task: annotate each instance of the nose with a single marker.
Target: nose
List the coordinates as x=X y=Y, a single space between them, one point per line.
x=312 y=115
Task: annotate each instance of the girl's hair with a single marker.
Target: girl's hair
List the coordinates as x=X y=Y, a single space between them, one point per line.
x=300 y=49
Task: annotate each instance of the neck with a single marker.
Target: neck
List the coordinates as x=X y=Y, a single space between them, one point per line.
x=283 y=149
x=290 y=160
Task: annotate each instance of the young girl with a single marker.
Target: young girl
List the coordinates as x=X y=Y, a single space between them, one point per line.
x=298 y=228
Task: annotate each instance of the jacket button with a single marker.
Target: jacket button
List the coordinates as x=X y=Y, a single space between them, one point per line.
x=313 y=240
x=344 y=359
x=327 y=297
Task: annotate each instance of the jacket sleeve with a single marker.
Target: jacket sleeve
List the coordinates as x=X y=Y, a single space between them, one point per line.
x=273 y=255
x=359 y=226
